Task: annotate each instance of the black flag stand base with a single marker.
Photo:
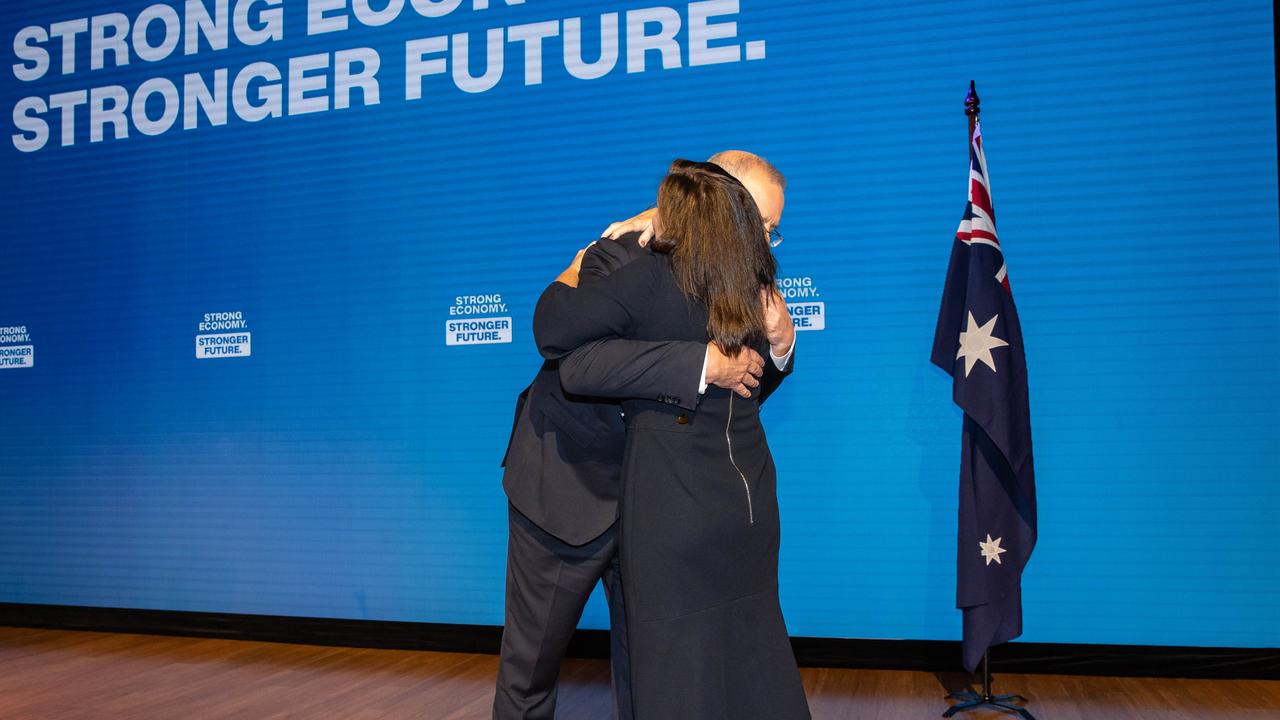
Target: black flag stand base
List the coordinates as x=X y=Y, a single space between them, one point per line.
x=973 y=701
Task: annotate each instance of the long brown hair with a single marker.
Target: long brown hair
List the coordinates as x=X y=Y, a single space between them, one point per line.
x=711 y=227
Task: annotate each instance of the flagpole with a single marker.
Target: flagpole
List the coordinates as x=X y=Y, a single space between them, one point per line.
x=971 y=109
x=973 y=700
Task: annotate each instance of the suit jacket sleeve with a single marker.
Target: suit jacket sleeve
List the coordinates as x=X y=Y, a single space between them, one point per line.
x=566 y=318
x=667 y=371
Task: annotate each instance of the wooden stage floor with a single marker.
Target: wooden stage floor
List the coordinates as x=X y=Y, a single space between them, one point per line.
x=62 y=675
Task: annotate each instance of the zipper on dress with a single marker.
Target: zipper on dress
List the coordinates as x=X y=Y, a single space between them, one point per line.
x=751 y=516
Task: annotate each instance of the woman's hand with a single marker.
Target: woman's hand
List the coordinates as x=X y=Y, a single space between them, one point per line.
x=778 y=328
x=570 y=275
x=642 y=223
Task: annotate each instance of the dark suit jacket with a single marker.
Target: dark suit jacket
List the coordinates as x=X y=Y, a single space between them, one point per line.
x=562 y=469
x=564 y=318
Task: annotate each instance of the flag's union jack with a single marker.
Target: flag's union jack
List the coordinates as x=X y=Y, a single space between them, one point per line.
x=979 y=223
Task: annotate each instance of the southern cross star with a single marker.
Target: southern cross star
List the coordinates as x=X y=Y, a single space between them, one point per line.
x=976 y=344
x=991 y=549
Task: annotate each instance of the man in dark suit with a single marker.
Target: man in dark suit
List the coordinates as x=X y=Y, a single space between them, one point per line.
x=562 y=474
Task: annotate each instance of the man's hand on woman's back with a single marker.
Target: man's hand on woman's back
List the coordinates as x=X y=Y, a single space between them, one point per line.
x=738 y=373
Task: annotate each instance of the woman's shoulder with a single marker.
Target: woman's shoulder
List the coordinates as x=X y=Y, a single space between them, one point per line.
x=656 y=263
x=632 y=282
x=648 y=265
x=657 y=267
x=654 y=260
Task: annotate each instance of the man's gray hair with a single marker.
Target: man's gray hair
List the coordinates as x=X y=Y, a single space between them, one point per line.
x=740 y=163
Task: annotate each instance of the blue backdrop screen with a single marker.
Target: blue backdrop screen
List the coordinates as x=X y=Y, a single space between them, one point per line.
x=269 y=267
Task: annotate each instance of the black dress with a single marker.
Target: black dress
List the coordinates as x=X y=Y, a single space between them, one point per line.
x=699 y=517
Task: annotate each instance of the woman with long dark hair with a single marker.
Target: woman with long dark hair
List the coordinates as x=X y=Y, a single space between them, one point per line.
x=699 y=512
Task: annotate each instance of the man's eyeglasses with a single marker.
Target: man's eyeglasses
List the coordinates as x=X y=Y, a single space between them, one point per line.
x=775 y=237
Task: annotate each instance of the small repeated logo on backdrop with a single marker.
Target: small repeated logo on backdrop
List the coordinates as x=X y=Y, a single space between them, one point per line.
x=16 y=350
x=223 y=335
x=806 y=313
x=477 y=320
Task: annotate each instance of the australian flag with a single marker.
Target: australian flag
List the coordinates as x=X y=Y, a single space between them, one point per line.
x=979 y=343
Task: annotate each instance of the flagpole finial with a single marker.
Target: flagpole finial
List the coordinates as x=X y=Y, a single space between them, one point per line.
x=971 y=109
x=971 y=102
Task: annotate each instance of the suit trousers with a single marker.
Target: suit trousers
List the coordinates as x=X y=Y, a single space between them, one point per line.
x=548 y=583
